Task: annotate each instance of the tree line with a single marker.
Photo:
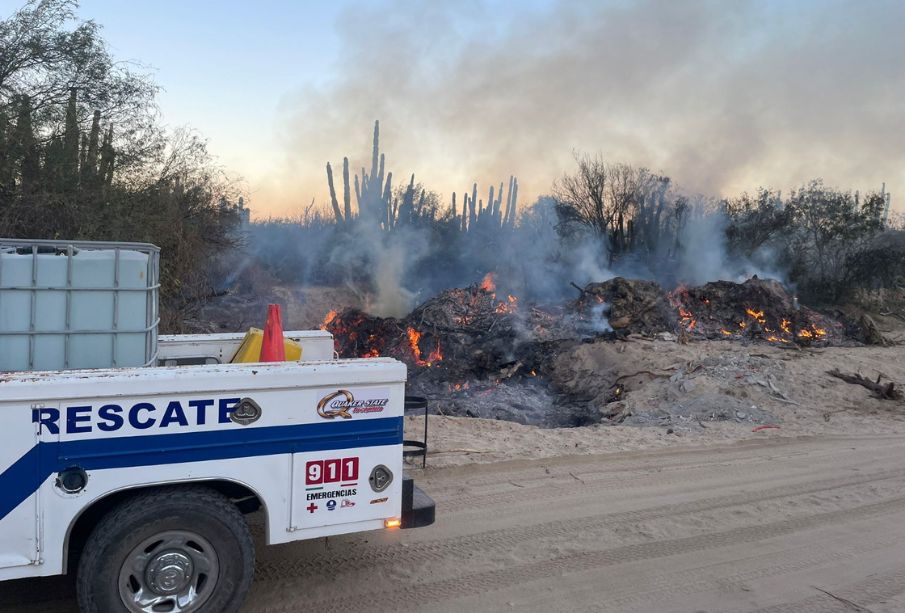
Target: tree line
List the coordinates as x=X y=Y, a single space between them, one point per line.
x=602 y=218
x=83 y=155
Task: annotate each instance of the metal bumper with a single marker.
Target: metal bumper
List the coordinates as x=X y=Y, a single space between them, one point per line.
x=418 y=509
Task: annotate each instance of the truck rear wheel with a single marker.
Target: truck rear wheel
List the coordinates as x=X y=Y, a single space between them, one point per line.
x=177 y=550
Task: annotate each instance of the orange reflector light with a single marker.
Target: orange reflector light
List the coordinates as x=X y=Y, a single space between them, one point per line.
x=393 y=522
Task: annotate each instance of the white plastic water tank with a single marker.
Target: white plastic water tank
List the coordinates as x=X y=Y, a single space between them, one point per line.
x=77 y=305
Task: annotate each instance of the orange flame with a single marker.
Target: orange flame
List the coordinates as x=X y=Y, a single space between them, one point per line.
x=814 y=332
x=677 y=299
x=436 y=355
x=329 y=319
x=488 y=284
x=687 y=319
x=758 y=316
x=507 y=307
x=414 y=337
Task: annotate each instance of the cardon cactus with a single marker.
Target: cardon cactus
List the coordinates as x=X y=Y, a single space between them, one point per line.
x=377 y=205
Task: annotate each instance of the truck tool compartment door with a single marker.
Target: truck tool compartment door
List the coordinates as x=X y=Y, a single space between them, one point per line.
x=350 y=469
x=21 y=474
x=335 y=487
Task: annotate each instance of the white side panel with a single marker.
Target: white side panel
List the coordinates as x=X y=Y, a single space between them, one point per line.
x=19 y=545
x=129 y=382
x=331 y=487
x=18 y=535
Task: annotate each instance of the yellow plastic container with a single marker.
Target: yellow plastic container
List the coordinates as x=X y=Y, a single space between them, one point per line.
x=250 y=349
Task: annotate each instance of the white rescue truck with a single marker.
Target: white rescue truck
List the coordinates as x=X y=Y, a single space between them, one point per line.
x=139 y=478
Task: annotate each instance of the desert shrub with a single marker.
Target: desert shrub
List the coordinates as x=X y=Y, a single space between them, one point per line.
x=829 y=230
x=755 y=221
x=878 y=264
x=634 y=212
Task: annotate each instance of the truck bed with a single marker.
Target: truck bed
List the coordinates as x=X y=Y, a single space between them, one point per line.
x=187 y=349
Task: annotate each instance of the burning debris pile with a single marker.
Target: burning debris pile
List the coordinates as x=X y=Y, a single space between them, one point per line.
x=487 y=354
x=631 y=306
x=469 y=332
x=756 y=310
x=469 y=346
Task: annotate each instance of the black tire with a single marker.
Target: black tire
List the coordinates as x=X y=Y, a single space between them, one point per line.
x=197 y=510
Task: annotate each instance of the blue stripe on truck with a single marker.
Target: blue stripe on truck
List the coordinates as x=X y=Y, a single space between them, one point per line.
x=21 y=479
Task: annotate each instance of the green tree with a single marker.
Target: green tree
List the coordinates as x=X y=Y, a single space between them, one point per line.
x=66 y=173
x=828 y=227
x=754 y=221
x=47 y=54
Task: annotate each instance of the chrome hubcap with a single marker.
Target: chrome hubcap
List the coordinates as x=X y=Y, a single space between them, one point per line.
x=171 y=572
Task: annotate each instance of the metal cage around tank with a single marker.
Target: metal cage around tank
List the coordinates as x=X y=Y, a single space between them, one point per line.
x=69 y=250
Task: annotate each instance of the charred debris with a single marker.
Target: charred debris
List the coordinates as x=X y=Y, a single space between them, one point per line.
x=478 y=352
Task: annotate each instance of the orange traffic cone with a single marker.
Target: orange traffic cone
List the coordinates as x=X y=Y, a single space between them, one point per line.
x=272 y=347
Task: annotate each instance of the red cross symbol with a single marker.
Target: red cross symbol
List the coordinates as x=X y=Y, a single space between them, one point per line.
x=311 y=508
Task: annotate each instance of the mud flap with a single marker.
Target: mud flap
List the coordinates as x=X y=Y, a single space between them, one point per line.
x=418 y=509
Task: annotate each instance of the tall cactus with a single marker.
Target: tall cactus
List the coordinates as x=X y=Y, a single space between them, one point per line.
x=387 y=196
x=347 y=196
x=476 y=216
x=512 y=216
x=373 y=192
x=336 y=212
x=90 y=155
x=376 y=148
x=70 y=152
x=6 y=171
x=108 y=159
x=377 y=206
x=26 y=148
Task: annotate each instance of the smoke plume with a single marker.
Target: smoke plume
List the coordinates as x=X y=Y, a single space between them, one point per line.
x=721 y=96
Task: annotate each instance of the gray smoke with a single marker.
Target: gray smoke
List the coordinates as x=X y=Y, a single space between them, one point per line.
x=725 y=96
x=721 y=96
x=703 y=254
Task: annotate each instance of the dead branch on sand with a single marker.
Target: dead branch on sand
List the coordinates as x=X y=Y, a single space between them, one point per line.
x=883 y=391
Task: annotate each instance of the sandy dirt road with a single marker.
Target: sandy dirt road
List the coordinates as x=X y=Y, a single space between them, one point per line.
x=780 y=525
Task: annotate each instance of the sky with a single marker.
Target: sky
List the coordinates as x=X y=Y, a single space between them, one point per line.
x=722 y=96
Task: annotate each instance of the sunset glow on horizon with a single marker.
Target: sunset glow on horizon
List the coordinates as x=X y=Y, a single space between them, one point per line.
x=721 y=97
